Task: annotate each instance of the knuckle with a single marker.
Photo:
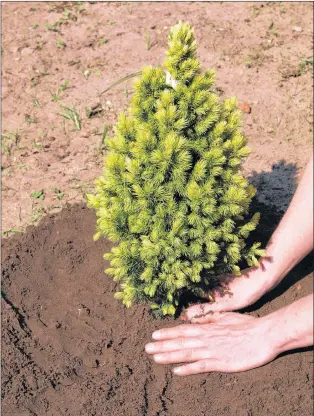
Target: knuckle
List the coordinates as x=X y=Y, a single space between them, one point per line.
x=203 y=366
x=160 y=345
x=180 y=341
x=188 y=354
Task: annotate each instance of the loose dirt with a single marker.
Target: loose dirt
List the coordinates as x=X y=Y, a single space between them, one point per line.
x=69 y=348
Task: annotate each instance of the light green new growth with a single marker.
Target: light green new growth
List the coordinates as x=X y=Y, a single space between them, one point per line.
x=172 y=195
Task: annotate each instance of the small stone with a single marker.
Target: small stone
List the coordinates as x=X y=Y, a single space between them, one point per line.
x=246 y=108
x=297 y=29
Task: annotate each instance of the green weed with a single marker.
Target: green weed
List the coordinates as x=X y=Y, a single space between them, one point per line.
x=53 y=28
x=36 y=103
x=29 y=120
x=59 y=194
x=70 y=113
x=148 y=41
x=56 y=96
x=38 y=195
x=38 y=145
x=37 y=215
x=9 y=141
x=11 y=231
x=60 y=43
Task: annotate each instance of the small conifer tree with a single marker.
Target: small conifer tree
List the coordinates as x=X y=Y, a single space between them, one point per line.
x=172 y=195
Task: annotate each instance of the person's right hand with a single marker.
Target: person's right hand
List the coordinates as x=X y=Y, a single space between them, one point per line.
x=242 y=291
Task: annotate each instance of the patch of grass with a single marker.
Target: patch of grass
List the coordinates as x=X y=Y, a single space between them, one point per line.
x=123 y=79
x=9 y=141
x=71 y=113
x=12 y=231
x=21 y=166
x=56 y=96
x=36 y=102
x=35 y=25
x=29 y=120
x=148 y=41
x=37 y=215
x=282 y=7
x=59 y=194
x=38 y=195
x=64 y=85
x=256 y=11
x=307 y=61
x=272 y=30
x=68 y=15
x=60 y=43
x=53 y=28
x=254 y=59
x=32 y=9
x=39 y=45
x=103 y=41
x=103 y=137
x=38 y=145
x=111 y=22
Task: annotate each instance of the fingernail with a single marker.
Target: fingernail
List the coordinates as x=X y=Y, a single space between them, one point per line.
x=177 y=370
x=156 y=335
x=158 y=357
x=149 y=348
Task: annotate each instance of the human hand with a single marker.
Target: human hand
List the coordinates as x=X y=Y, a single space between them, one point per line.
x=242 y=291
x=227 y=342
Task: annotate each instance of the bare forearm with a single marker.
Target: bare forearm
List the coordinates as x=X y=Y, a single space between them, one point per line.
x=293 y=238
x=292 y=326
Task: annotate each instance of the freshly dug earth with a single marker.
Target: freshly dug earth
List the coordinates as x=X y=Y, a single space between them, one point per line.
x=70 y=348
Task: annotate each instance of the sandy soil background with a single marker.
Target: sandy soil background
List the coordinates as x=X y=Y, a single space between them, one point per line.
x=56 y=54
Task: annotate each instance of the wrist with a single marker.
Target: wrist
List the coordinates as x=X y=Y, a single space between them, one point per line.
x=271 y=272
x=268 y=327
x=290 y=327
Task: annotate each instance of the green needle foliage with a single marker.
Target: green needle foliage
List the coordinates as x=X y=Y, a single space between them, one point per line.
x=172 y=195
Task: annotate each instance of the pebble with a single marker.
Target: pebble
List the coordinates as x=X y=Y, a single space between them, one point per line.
x=246 y=108
x=297 y=29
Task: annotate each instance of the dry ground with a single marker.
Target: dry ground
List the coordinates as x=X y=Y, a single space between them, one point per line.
x=56 y=54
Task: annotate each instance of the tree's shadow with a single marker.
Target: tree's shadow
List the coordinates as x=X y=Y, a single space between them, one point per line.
x=277 y=186
x=275 y=190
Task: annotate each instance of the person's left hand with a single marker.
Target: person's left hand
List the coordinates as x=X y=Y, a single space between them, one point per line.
x=224 y=342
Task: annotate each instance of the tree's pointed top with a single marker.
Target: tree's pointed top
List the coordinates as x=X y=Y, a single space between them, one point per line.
x=181 y=61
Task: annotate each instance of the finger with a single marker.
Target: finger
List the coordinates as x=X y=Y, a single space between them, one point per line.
x=228 y=318
x=222 y=304
x=185 y=330
x=202 y=366
x=174 y=345
x=183 y=356
x=210 y=317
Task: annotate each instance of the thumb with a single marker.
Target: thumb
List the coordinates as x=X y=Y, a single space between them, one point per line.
x=197 y=311
x=227 y=318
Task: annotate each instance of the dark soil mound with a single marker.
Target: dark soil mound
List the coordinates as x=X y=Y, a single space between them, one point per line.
x=69 y=348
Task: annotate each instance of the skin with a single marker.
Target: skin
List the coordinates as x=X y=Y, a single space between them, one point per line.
x=218 y=340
